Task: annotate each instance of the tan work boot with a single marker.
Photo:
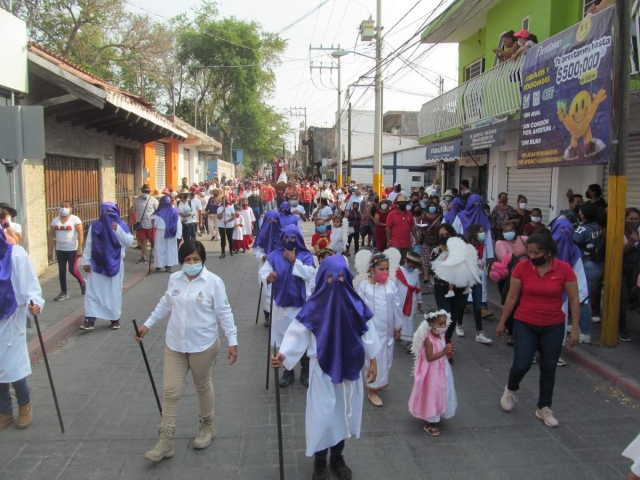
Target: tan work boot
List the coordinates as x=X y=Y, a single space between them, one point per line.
x=164 y=447
x=205 y=434
x=6 y=419
x=25 y=415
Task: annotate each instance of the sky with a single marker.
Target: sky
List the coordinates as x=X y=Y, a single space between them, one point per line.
x=406 y=87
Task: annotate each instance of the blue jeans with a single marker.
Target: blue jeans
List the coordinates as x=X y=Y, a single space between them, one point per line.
x=476 y=294
x=594 y=272
x=22 y=394
x=528 y=339
x=454 y=305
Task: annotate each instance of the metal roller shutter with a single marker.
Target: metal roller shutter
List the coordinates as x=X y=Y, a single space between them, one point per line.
x=161 y=166
x=633 y=174
x=186 y=166
x=533 y=183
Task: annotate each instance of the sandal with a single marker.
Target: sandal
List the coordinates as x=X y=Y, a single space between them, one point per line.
x=431 y=430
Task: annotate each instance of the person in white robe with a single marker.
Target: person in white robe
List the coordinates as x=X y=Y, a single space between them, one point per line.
x=289 y=269
x=168 y=227
x=268 y=239
x=248 y=220
x=410 y=295
x=380 y=294
x=104 y=251
x=19 y=286
x=336 y=330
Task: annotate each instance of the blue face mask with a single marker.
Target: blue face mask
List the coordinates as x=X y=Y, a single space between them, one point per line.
x=509 y=235
x=432 y=209
x=321 y=228
x=410 y=269
x=192 y=270
x=294 y=203
x=482 y=237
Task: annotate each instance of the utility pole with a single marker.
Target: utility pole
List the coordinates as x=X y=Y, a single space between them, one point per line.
x=339 y=120
x=349 y=147
x=377 y=137
x=302 y=112
x=617 y=173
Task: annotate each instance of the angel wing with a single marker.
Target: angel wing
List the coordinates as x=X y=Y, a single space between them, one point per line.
x=418 y=341
x=362 y=261
x=471 y=259
x=394 y=256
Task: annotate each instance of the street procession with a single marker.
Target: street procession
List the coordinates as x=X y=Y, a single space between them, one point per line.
x=211 y=269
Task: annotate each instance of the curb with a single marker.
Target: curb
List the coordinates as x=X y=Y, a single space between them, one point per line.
x=599 y=367
x=67 y=326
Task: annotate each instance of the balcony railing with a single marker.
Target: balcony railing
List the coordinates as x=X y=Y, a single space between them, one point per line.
x=493 y=93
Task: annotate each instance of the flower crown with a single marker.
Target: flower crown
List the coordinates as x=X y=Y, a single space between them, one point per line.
x=438 y=313
x=377 y=258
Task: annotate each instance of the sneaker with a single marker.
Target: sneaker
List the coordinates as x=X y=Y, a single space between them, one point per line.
x=339 y=467
x=115 y=325
x=61 y=296
x=450 y=294
x=459 y=331
x=584 y=338
x=83 y=288
x=486 y=313
x=596 y=319
x=141 y=261
x=535 y=360
x=623 y=336
x=288 y=377
x=561 y=362
x=482 y=338
x=168 y=269
x=546 y=415
x=87 y=325
x=467 y=291
x=508 y=400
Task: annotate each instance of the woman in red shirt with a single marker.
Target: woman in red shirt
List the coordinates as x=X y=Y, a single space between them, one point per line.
x=539 y=284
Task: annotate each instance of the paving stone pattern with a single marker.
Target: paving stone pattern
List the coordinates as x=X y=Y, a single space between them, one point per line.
x=111 y=415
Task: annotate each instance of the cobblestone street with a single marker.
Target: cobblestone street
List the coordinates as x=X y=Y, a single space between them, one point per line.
x=111 y=416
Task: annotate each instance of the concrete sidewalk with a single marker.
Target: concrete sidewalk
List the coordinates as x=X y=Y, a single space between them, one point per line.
x=111 y=416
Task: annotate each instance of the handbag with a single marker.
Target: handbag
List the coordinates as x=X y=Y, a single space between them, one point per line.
x=138 y=225
x=429 y=238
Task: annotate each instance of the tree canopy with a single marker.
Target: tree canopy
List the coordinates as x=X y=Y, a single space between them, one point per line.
x=210 y=71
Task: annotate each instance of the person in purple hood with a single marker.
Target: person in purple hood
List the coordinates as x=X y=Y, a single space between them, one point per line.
x=269 y=239
x=104 y=251
x=335 y=329
x=18 y=286
x=288 y=270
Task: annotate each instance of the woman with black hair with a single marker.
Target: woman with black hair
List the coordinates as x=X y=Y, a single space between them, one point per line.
x=195 y=303
x=508 y=41
x=587 y=237
x=630 y=267
x=539 y=285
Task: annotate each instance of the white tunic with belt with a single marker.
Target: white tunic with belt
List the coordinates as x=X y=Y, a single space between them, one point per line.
x=14 y=355
x=334 y=411
x=383 y=301
x=103 y=298
x=281 y=317
x=165 y=250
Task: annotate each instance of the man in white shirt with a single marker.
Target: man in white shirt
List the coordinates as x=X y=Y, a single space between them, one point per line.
x=189 y=210
x=204 y=199
x=143 y=208
x=356 y=197
x=397 y=191
x=298 y=209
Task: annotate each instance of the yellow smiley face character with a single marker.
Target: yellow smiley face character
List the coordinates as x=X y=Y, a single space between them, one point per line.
x=577 y=121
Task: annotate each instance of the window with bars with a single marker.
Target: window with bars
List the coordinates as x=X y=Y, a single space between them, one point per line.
x=473 y=70
x=526 y=22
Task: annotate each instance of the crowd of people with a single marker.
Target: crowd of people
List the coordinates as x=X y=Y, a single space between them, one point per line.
x=334 y=323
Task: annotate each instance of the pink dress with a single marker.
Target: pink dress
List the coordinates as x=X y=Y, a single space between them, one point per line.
x=434 y=393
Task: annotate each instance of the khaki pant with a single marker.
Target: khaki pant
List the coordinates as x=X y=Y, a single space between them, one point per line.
x=176 y=367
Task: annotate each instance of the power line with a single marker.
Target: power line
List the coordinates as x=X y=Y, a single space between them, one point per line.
x=293 y=24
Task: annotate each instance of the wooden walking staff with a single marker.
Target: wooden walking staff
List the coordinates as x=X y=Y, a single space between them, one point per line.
x=276 y=377
x=46 y=362
x=259 y=299
x=149 y=252
x=270 y=326
x=146 y=362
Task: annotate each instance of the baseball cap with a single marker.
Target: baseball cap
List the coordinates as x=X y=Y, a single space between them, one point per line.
x=524 y=33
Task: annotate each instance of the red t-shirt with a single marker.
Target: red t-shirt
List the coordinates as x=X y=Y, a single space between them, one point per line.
x=541 y=297
x=321 y=240
x=400 y=224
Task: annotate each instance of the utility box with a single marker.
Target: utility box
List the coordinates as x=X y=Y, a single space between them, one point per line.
x=367 y=30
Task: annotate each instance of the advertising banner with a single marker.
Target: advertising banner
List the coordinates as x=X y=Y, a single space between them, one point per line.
x=486 y=136
x=566 y=97
x=444 y=151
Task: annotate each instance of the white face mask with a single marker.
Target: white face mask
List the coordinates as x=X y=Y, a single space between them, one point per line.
x=384 y=206
x=523 y=205
x=440 y=331
x=145 y=195
x=64 y=211
x=536 y=219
